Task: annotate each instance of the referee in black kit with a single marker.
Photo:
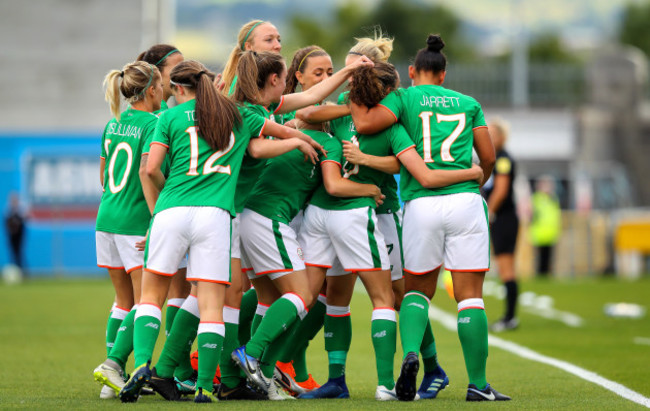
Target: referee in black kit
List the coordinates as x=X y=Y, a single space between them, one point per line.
x=504 y=223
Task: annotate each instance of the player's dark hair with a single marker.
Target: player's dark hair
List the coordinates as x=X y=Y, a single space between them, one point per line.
x=216 y=115
x=252 y=72
x=431 y=58
x=371 y=84
x=299 y=63
x=157 y=55
x=132 y=82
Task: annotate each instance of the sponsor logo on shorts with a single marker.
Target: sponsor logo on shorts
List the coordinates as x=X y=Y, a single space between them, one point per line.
x=300 y=254
x=208 y=345
x=463 y=320
x=379 y=334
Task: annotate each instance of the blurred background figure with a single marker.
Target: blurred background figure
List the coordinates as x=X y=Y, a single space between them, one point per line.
x=15 y=227
x=546 y=222
x=504 y=223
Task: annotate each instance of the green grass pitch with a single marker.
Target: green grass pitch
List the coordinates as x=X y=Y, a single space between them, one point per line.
x=52 y=337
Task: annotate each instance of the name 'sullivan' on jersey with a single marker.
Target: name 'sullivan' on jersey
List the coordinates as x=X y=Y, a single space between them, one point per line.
x=440 y=101
x=124 y=130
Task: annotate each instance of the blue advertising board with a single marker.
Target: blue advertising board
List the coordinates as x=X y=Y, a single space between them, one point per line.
x=56 y=178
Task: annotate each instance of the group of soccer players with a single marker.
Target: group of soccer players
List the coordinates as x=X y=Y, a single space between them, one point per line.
x=271 y=204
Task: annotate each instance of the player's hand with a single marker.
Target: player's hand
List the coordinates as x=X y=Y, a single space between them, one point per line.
x=140 y=245
x=477 y=173
x=304 y=137
x=362 y=61
x=353 y=154
x=291 y=123
x=309 y=152
x=219 y=83
x=378 y=197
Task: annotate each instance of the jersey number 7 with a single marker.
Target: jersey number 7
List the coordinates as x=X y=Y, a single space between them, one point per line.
x=445 y=147
x=209 y=166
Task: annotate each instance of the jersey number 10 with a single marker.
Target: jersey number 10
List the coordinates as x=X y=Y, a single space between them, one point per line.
x=445 y=147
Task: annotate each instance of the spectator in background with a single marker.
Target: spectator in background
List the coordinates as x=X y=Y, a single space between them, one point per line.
x=504 y=223
x=546 y=222
x=15 y=226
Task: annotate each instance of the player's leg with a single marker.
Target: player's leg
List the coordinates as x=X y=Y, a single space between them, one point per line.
x=179 y=289
x=504 y=239
x=467 y=256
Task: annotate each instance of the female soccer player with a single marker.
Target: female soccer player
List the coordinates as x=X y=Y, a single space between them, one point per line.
x=354 y=254
x=504 y=223
x=123 y=216
x=165 y=57
x=192 y=213
x=389 y=215
x=256 y=35
x=261 y=82
x=441 y=226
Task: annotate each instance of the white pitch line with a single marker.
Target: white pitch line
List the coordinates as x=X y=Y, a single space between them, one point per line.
x=449 y=322
x=642 y=340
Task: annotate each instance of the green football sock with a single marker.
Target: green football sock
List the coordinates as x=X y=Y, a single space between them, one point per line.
x=145 y=332
x=230 y=372
x=112 y=326
x=473 y=335
x=123 y=346
x=279 y=317
x=210 y=341
x=306 y=331
x=384 y=339
x=260 y=312
x=413 y=316
x=173 y=305
x=428 y=349
x=272 y=352
x=338 y=337
x=246 y=314
x=180 y=339
x=300 y=363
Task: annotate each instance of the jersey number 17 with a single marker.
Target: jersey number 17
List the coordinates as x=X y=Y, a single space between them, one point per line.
x=445 y=147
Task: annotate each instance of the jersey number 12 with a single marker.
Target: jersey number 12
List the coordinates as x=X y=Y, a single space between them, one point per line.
x=209 y=166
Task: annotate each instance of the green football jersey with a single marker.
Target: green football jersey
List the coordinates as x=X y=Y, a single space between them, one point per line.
x=288 y=181
x=252 y=168
x=123 y=209
x=200 y=176
x=391 y=202
x=391 y=141
x=441 y=124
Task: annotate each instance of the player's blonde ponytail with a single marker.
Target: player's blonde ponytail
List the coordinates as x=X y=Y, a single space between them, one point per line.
x=376 y=49
x=132 y=83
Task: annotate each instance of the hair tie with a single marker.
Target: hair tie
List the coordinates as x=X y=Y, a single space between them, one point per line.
x=198 y=75
x=165 y=56
x=148 y=83
x=249 y=33
x=307 y=55
x=355 y=53
x=122 y=73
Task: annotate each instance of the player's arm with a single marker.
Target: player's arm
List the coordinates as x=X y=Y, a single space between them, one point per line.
x=387 y=164
x=102 y=167
x=321 y=90
x=263 y=148
x=338 y=186
x=277 y=130
x=485 y=151
x=371 y=120
x=149 y=190
x=323 y=113
x=152 y=173
x=429 y=178
x=499 y=192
